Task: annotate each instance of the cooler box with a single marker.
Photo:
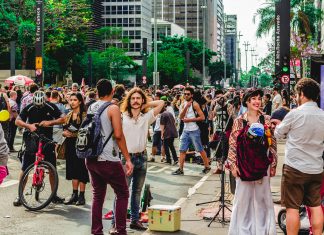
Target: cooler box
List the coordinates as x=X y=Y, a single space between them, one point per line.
x=164 y=218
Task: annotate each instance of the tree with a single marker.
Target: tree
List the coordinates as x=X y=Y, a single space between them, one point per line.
x=111 y=35
x=184 y=44
x=216 y=71
x=171 y=66
x=304 y=17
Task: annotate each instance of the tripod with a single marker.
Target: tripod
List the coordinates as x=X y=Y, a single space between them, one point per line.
x=222 y=206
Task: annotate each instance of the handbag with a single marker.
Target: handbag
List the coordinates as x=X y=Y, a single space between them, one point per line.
x=61 y=151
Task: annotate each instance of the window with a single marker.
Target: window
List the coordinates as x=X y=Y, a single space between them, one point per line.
x=138 y=22
x=131 y=22
x=120 y=10
x=137 y=34
x=138 y=9
x=131 y=9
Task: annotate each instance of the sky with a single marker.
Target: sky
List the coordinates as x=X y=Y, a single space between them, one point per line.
x=245 y=10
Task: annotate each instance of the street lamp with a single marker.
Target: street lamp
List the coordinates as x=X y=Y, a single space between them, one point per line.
x=224 y=49
x=204 y=7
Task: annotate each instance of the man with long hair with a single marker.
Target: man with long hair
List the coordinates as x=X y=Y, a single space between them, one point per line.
x=138 y=114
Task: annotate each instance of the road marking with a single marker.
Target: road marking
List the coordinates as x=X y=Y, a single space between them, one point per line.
x=180 y=201
x=9 y=183
x=157 y=171
x=151 y=167
x=192 y=190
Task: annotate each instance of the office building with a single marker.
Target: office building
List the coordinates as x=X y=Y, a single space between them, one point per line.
x=166 y=28
x=188 y=14
x=132 y=16
x=231 y=42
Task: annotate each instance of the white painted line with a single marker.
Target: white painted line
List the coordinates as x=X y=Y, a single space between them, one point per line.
x=151 y=167
x=180 y=201
x=159 y=170
x=192 y=190
x=9 y=183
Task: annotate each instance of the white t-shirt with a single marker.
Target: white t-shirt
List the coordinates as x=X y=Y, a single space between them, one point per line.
x=135 y=131
x=276 y=100
x=190 y=126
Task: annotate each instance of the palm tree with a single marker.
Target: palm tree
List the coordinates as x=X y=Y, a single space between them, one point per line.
x=303 y=14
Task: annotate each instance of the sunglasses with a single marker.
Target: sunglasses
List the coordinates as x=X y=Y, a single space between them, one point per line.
x=187 y=94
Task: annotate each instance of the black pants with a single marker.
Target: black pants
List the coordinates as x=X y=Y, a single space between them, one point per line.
x=12 y=134
x=169 y=145
x=5 y=128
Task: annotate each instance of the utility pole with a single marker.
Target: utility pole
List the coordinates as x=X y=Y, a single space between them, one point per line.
x=246 y=45
x=204 y=7
x=155 y=76
x=39 y=41
x=252 y=50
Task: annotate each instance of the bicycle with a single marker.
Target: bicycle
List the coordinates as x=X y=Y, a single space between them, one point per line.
x=36 y=179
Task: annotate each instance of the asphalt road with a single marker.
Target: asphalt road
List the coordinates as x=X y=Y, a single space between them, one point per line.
x=61 y=219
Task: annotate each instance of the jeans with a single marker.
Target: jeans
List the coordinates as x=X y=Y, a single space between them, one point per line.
x=169 y=145
x=193 y=137
x=103 y=173
x=137 y=179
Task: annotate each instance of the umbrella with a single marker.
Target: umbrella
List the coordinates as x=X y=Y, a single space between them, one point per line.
x=19 y=80
x=179 y=86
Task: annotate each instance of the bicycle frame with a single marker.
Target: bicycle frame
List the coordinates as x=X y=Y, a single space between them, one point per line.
x=38 y=175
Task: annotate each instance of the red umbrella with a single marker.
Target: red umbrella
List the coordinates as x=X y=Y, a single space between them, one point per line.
x=19 y=80
x=179 y=86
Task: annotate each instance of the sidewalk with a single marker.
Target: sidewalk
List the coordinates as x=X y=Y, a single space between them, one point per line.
x=208 y=189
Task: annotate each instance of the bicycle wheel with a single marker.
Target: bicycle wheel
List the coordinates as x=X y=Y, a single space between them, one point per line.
x=282 y=220
x=35 y=190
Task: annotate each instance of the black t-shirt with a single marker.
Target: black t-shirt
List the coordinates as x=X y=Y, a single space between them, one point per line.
x=34 y=114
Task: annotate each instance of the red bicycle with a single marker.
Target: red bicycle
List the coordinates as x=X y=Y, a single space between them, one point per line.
x=39 y=182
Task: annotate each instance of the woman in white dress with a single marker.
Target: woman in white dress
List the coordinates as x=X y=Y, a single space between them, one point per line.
x=252 y=160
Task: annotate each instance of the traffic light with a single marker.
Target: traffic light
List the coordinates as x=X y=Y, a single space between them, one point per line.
x=285 y=69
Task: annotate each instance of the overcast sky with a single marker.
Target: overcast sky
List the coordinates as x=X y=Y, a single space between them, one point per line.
x=245 y=10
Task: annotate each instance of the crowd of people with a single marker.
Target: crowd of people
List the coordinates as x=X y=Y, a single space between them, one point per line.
x=250 y=121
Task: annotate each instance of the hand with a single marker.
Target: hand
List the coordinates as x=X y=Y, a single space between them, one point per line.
x=67 y=133
x=32 y=127
x=236 y=172
x=272 y=171
x=45 y=123
x=186 y=120
x=129 y=168
x=3 y=173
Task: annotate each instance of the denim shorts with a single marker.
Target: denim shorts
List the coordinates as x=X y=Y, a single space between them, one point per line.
x=189 y=137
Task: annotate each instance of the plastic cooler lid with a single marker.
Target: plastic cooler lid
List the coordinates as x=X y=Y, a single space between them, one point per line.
x=164 y=207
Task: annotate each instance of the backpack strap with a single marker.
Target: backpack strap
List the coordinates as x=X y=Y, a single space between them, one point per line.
x=99 y=112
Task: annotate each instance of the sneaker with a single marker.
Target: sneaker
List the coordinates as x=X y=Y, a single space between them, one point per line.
x=137 y=225
x=57 y=200
x=152 y=159
x=178 y=172
x=206 y=170
x=17 y=202
x=175 y=163
x=109 y=215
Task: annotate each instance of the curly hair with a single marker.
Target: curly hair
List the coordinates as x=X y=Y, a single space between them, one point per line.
x=126 y=104
x=309 y=87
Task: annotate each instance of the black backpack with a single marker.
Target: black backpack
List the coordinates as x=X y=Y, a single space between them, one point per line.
x=3 y=103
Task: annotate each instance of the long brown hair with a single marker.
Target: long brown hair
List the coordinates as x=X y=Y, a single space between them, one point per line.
x=126 y=105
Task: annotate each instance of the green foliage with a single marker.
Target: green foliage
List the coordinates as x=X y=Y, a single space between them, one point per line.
x=184 y=44
x=113 y=63
x=264 y=79
x=216 y=71
x=171 y=66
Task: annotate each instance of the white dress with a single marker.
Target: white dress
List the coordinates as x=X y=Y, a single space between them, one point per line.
x=253 y=210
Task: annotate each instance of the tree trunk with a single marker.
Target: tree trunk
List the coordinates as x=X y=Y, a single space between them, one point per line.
x=24 y=58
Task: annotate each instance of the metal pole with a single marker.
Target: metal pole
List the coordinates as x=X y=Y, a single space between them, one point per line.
x=174 y=11
x=198 y=9
x=252 y=50
x=246 y=45
x=204 y=7
x=186 y=19
x=155 y=47
x=238 y=60
x=224 y=49
x=12 y=58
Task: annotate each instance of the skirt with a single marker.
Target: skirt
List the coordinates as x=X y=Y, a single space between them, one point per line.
x=253 y=210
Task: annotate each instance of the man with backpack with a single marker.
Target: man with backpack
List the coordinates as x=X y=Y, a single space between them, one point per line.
x=107 y=167
x=4 y=105
x=191 y=132
x=303 y=169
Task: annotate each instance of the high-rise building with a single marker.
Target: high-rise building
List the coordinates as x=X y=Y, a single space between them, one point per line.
x=231 y=41
x=188 y=14
x=132 y=16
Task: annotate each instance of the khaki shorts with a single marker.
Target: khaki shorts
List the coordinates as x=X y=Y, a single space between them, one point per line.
x=299 y=188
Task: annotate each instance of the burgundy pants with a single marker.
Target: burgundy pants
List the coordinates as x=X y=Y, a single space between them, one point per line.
x=103 y=173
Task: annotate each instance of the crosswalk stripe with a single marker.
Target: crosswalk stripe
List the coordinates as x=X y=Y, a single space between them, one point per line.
x=9 y=183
